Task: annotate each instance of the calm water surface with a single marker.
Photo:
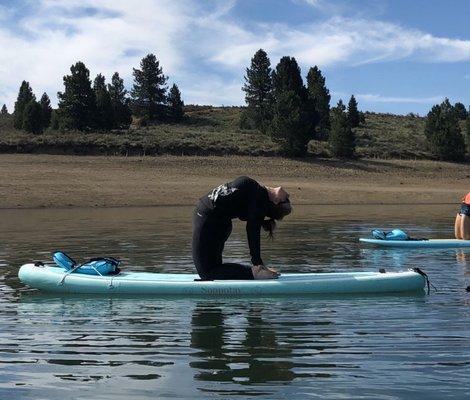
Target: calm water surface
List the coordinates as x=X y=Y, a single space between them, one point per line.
x=387 y=347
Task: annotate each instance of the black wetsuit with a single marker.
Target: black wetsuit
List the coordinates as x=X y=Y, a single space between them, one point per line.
x=244 y=198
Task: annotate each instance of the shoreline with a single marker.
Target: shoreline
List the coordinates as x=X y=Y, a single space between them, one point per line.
x=33 y=208
x=31 y=181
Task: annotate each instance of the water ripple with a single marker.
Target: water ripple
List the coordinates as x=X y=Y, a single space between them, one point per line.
x=366 y=347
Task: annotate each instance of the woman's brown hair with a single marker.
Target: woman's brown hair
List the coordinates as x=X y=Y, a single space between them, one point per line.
x=275 y=213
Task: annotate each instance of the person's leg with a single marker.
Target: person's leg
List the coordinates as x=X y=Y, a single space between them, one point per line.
x=231 y=271
x=226 y=271
x=204 y=246
x=223 y=232
x=242 y=272
x=209 y=237
x=236 y=271
x=458 y=227
x=465 y=227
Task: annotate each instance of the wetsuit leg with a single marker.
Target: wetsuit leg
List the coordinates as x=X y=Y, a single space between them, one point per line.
x=209 y=237
x=205 y=246
x=231 y=271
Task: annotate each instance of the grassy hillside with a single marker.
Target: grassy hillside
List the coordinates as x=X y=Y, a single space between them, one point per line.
x=215 y=131
x=392 y=136
x=205 y=131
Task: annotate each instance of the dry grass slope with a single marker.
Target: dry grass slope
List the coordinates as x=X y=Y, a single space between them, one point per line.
x=210 y=130
x=392 y=136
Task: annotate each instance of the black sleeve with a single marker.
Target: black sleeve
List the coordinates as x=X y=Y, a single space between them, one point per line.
x=254 y=212
x=253 y=231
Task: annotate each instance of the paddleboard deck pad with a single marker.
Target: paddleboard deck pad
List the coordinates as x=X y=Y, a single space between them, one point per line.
x=429 y=243
x=54 y=279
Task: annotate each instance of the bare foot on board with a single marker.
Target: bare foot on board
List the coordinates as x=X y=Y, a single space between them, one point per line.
x=262 y=272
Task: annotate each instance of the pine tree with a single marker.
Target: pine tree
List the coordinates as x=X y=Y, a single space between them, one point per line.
x=286 y=77
x=55 y=120
x=258 y=90
x=320 y=97
x=32 y=118
x=342 y=140
x=292 y=122
x=461 y=111
x=443 y=132
x=467 y=131
x=46 y=110
x=77 y=104
x=104 y=110
x=122 y=116
x=25 y=95
x=175 y=104
x=288 y=126
x=4 y=110
x=149 y=90
x=354 y=116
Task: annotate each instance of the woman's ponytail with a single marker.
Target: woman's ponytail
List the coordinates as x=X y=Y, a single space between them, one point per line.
x=269 y=225
x=275 y=212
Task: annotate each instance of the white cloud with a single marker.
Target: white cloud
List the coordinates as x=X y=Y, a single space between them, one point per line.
x=313 y=3
x=214 y=90
x=344 y=40
x=377 y=98
x=199 y=44
x=53 y=39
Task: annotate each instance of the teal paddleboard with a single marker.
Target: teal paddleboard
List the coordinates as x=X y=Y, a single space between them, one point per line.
x=54 y=279
x=431 y=243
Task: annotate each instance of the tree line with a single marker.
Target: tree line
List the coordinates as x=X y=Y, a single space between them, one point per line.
x=85 y=105
x=279 y=104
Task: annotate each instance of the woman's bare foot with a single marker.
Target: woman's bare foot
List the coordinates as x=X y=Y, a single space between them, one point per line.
x=273 y=271
x=262 y=272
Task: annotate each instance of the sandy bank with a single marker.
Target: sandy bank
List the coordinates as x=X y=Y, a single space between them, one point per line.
x=88 y=181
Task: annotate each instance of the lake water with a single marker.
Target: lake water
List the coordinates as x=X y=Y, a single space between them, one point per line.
x=367 y=347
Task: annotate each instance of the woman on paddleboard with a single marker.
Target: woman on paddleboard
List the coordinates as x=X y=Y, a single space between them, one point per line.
x=244 y=198
x=462 y=220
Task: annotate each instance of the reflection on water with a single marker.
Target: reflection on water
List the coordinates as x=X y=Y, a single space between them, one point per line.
x=463 y=259
x=241 y=349
x=352 y=346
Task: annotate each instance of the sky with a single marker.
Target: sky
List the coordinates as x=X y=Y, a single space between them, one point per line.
x=395 y=56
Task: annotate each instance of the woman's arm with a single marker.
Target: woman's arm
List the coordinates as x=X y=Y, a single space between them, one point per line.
x=253 y=231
